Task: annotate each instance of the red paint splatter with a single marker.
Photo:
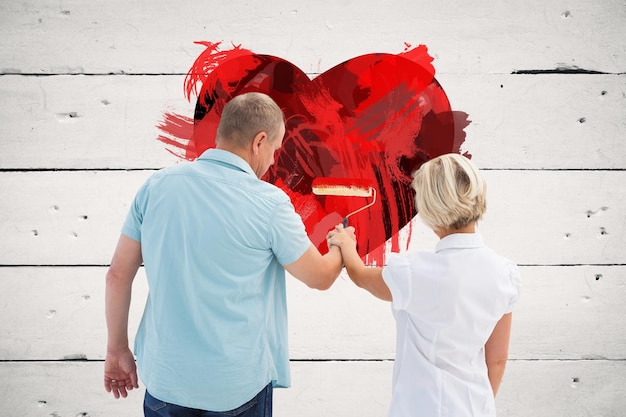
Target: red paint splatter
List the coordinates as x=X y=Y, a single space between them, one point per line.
x=375 y=117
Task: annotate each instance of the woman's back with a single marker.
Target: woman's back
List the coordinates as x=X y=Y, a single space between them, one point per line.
x=446 y=305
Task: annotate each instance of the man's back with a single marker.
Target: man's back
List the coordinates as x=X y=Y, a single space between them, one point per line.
x=210 y=234
x=215 y=241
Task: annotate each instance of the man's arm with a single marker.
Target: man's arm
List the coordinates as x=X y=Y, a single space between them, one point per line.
x=315 y=270
x=120 y=374
x=497 y=351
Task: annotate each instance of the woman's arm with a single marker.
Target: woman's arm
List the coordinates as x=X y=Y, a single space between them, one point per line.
x=368 y=278
x=497 y=351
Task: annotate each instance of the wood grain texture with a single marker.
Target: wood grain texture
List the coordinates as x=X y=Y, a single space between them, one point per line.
x=83 y=86
x=156 y=37
x=541 y=389
x=569 y=313
x=534 y=217
x=110 y=122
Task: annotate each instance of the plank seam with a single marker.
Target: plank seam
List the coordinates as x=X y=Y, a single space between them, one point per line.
x=108 y=265
x=9 y=170
x=327 y=360
x=564 y=70
x=554 y=71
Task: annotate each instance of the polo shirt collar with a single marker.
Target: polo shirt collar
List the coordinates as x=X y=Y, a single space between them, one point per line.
x=460 y=241
x=226 y=158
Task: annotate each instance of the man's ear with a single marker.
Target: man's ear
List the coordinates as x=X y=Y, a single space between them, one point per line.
x=258 y=142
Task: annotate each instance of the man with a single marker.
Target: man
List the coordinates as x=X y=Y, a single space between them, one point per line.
x=215 y=242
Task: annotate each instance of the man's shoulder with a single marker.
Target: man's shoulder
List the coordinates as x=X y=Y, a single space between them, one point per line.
x=180 y=168
x=268 y=191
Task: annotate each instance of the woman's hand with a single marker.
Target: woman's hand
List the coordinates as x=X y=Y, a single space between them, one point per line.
x=368 y=278
x=344 y=238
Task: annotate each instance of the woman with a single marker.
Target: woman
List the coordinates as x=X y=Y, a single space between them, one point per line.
x=452 y=306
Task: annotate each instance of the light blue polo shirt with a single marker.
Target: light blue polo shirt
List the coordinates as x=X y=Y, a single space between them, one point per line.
x=214 y=238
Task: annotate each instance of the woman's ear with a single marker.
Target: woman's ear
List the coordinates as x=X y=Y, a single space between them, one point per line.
x=257 y=143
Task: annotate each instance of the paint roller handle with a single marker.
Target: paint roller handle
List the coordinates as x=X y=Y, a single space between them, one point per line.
x=371 y=203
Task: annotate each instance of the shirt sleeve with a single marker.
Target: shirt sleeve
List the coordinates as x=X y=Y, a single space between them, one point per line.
x=397 y=276
x=134 y=218
x=288 y=236
x=516 y=282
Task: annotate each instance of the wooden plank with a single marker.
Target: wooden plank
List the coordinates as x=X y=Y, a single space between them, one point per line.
x=539 y=217
x=51 y=217
x=542 y=121
x=571 y=312
x=558 y=306
x=563 y=388
x=481 y=37
x=58 y=313
x=534 y=217
x=564 y=313
x=111 y=121
x=537 y=388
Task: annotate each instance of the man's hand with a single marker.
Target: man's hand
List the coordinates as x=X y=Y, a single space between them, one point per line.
x=120 y=373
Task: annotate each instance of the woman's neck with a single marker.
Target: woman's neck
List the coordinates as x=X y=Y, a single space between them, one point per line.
x=443 y=232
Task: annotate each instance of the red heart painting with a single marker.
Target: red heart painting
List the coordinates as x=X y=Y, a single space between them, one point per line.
x=375 y=117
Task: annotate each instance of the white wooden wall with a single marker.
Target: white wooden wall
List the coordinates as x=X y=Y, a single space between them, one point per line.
x=84 y=83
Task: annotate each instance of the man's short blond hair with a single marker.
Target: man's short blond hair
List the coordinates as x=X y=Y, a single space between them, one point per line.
x=246 y=115
x=450 y=192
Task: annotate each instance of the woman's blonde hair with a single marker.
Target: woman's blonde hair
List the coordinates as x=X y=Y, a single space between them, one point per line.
x=450 y=193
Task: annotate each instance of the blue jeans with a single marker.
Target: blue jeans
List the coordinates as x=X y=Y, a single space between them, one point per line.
x=259 y=406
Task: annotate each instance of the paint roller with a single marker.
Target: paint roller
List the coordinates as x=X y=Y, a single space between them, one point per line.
x=345 y=187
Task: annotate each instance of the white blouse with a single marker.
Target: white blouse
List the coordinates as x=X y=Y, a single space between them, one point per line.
x=446 y=304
